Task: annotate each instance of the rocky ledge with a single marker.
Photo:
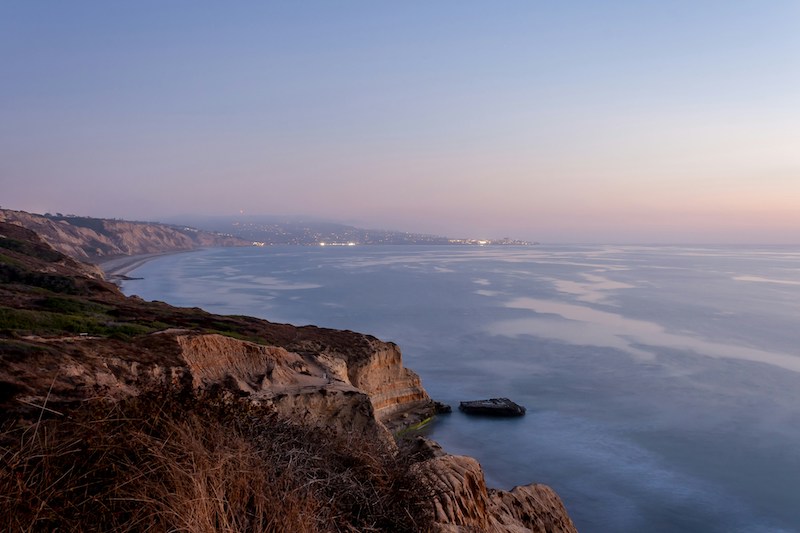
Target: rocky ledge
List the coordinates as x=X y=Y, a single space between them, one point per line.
x=68 y=337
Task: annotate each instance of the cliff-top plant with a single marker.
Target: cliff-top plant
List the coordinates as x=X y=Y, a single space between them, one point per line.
x=182 y=463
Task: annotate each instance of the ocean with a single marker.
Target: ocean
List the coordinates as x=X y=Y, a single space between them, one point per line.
x=662 y=382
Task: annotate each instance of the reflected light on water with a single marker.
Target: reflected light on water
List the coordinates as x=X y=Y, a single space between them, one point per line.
x=577 y=324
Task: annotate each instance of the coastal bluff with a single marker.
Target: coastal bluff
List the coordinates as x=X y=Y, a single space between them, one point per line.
x=71 y=342
x=92 y=239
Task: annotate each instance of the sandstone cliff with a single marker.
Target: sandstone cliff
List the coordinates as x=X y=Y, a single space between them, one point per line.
x=68 y=338
x=89 y=239
x=464 y=504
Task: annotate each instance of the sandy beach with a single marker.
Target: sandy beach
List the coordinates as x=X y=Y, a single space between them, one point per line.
x=118 y=267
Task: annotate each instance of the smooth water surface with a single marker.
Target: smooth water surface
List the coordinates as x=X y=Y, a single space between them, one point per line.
x=662 y=383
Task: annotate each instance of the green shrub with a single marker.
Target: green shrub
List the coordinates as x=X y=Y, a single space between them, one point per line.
x=33 y=322
x=71 y=305
x=10 y=273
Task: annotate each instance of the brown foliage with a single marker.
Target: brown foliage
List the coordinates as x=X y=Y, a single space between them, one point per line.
x=169 y=463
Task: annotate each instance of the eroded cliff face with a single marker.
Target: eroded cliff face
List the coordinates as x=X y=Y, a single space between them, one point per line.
x=314 y=390
x=393 y=389
x=337 y=381
x=89 y=239
x=463 y=504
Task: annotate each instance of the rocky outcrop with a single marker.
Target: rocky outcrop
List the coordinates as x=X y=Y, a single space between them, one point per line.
x=536 y=508
x=463 y=504
x=88 y=239
x=269 y=373
x=313 y=390
x=392 y=387
x=243 y=366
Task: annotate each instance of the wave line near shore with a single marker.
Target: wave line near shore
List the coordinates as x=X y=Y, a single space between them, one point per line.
x=118 y=267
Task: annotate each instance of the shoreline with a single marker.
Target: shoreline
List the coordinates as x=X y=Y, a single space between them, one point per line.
x=118 y=267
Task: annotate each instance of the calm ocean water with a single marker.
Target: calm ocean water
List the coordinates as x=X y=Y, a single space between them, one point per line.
x=662 y=383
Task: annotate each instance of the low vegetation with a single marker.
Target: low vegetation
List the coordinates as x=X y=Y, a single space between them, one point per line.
x=32 y=322
x=181 y=463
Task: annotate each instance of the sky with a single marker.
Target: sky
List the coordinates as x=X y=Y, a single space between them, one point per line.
x=574 y=121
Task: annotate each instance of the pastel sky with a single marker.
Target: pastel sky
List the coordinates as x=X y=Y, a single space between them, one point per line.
x=570 y=121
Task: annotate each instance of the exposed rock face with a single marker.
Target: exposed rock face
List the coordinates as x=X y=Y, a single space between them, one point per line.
x=245 y=366
x=534 y=507
x=461 y=498
x=282 y=378
x=308 y=389
x=336 y=380
x=88 y=239
x=464 y=504
x=392 y=387
x=45 y=260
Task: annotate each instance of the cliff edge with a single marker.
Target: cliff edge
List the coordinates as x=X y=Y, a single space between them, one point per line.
x=309 y=409
x=91 y=239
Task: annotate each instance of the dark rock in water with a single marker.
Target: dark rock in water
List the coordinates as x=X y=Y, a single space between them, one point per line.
x=492 y=407
x=441 y=408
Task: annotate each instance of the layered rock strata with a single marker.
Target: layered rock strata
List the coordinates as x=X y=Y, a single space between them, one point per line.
x=90 y=239
x=463 y=504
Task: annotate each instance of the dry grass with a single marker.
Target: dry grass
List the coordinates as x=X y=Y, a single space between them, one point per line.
x=167 y=463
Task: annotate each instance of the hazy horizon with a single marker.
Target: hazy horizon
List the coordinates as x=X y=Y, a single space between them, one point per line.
x=615 y=123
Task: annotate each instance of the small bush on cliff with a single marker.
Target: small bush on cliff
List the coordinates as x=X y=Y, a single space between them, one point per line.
x=169 y=463
x=36 y=322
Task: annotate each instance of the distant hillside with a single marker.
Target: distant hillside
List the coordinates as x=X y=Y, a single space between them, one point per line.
x=295 y=230
x=89 y=239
